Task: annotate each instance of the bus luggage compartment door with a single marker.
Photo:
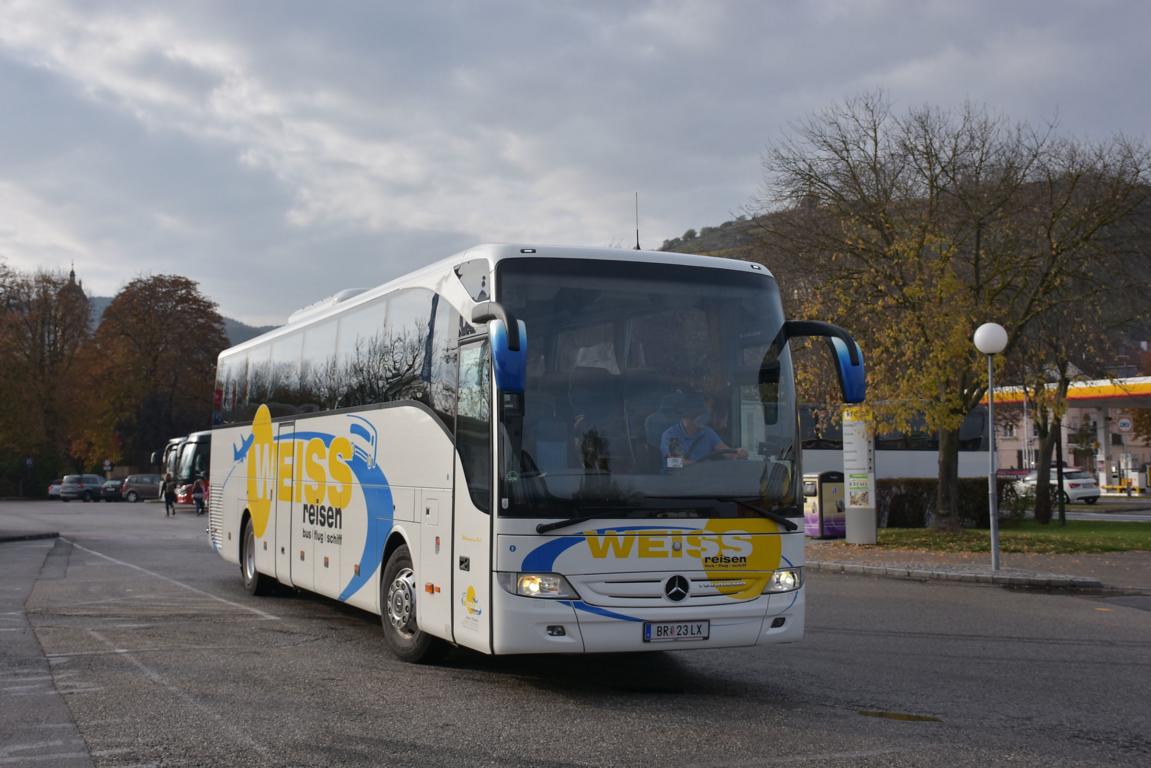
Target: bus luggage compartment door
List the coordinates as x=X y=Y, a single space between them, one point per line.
x=433 y=571
x=282 y=524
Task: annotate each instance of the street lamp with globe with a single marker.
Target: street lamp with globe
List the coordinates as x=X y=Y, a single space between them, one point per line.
x=991 y=340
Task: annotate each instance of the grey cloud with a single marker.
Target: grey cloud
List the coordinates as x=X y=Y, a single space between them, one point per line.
x=281 y=151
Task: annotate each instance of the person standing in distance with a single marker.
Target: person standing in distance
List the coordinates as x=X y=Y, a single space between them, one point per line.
x=168 y=489
x=198 y=495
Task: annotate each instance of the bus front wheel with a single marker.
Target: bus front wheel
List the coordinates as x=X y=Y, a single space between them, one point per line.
x=255 y=582
x=398 y=612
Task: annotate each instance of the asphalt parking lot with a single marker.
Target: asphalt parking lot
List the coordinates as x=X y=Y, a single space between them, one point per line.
x=127 y=642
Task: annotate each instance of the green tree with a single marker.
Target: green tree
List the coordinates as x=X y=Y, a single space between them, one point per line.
x=913 y=230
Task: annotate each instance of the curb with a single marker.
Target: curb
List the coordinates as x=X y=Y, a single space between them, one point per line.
x=5 y=537
x=1004 y=579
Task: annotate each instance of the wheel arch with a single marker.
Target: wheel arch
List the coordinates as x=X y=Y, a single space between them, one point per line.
x=396 y=540
x=245 y=516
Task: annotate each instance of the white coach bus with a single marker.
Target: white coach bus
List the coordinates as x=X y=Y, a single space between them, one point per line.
x=528 y=450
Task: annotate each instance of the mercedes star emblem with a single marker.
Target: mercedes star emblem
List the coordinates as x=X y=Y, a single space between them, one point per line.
x=676 y=588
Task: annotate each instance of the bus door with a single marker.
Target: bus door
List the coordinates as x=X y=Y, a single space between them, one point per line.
x=471 y=566
x=288 y=564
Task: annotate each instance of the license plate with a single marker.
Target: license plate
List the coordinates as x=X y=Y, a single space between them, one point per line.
x=671 y=631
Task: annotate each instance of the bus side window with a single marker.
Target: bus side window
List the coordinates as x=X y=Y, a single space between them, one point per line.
x=443 y=362
x=473 y=422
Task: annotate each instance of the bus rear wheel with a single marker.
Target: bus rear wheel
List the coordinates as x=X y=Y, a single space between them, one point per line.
x=255 y=582
x=398 y=612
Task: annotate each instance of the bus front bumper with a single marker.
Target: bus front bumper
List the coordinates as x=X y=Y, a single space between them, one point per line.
x=533 y=625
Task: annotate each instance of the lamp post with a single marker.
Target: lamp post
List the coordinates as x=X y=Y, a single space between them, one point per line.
x=991 y=339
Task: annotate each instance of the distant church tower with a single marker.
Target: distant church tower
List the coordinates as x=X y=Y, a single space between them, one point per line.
x=72 y=296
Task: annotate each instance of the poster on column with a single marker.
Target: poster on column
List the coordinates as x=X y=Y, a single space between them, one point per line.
x=858 y=461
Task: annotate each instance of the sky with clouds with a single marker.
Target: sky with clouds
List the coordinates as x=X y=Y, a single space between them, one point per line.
x=280 y=151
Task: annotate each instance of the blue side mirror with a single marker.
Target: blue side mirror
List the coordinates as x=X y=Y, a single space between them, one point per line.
x=846 y=353
x=509 y=350
x=510 y=364
x=852 y=378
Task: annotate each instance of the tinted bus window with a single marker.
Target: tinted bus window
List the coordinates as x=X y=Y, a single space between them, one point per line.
x=473 y=422
x=363 y=352
x=320 y=385
x=284 y=387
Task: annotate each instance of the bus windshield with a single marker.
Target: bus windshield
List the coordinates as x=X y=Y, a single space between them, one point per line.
x=650 y=388
x=194 y=458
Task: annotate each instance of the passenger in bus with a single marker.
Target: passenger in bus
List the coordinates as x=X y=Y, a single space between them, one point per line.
x=689 y=440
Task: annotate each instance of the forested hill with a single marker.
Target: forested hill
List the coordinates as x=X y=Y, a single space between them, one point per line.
x=235 y=330
x=733 y=240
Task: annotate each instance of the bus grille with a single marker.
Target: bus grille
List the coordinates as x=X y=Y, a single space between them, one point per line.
x=644 y=590
x=216 y=516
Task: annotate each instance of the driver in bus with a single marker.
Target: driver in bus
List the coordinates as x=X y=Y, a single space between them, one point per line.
x=690 y=439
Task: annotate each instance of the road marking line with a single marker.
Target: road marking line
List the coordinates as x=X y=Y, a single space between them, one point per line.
x=44 y=758
x=156 y=677
x=12 y=749
x=161 y=576
x=158 y=649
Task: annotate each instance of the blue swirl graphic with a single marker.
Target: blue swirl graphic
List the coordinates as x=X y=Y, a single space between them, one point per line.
x=380 y=514
x=580 y=605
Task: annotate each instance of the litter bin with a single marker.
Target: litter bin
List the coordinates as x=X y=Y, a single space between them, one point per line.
x=823 y=516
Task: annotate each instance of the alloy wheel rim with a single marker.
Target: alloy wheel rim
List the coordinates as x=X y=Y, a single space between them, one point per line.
x=249 y=555
x=401 y=602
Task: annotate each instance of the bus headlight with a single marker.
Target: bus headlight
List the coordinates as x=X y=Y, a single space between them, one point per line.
x=785 y=580
x=550 y=585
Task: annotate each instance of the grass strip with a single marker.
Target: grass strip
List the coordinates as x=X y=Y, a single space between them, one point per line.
x=1078 y=536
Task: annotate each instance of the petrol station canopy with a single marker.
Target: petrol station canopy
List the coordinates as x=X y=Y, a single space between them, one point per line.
x=1104 y=393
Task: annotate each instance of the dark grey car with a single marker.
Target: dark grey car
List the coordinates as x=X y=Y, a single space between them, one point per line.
x=139 y=487
x=85 y=487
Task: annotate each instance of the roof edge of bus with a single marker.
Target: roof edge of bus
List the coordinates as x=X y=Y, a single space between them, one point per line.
x=495 y=252
x=499 y=251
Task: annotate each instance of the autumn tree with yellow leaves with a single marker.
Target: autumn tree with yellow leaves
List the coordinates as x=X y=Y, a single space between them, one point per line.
x=43 y=328
x=150 y=368
x=911 y=230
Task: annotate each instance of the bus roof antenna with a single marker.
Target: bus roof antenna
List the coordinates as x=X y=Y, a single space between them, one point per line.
x=637 y=222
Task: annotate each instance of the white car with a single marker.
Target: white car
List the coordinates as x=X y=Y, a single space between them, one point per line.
x=1078 y=485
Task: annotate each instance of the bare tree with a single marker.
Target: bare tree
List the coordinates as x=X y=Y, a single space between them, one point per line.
x=912 y=230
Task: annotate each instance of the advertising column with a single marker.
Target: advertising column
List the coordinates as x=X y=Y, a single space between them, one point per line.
x=1103 y=437
x=859 y=477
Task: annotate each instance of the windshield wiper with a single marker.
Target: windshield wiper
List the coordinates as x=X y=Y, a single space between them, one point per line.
x=631 y=511
x=768 y=513
x=616 y=512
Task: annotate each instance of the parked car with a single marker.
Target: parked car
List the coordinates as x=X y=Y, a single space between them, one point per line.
x=84 y=487
x=54 y=489
x=1078 y=485
x=110 y=491
x=138 y=487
